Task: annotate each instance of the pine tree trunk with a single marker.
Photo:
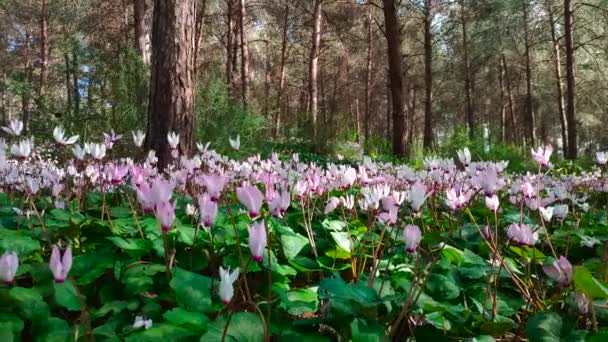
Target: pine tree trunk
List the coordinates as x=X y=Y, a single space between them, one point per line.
x=279 y=110
x=368 y=73
x=393 y=39
x=557 y=68
x=172 y=82
x=229 y=44
x=428 y=76
x=515 y=136
x=44 y=47
x=531 y=124
x=570 y=82
x=503 y=111
x=313 y=67
x=244 y=54
x=467 y=74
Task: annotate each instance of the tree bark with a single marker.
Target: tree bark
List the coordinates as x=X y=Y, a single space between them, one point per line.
x=201 y=7
x=44 y=47
x=393 y=39
x=557 y=68
x=368 y=73
x=279 y=112
x=142 y=32
x=467 y=73
x=244 y=54
x=570 y=82
x=172 y=81
x=229 y=44
x=75 y=79
x=503 y=111
x=428 y=76
x=531 y=124
x=26 y=96
x=514 y=134
x=313 y=67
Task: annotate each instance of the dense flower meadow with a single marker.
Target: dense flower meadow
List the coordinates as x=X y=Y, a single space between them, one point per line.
x=96 y=247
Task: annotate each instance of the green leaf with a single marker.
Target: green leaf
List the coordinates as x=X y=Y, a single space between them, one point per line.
x=18 y=241
x=192 y=321
x=120 y=212
x=544 y=327
x=55 y=330
x=292 y=244
x=25 y=295
x=159 y=332
x=283 y=270
x=366 y=331
x=600 y=336
x=66 y=296
x=244 y=327
x=438 y=321
x=300 y=301
x=342 y=240
x=192 y=291
x=442 y=287
x=115 y=307
x=136 y=247
x=333 y=225
x=586 y=283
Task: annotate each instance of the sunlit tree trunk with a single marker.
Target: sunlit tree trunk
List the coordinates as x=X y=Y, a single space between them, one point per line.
x=229 y=43
x=559 y=87
x=313 y=67
x=244 y=53
x=44 y=47
x=514 y=135
x=467 y=73
x=368 y=73
x=531 y=124
x=279 y=110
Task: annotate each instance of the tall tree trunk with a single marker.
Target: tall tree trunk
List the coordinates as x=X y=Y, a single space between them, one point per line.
x=515 y=136
x=26 y=95
x=172 y=82
x=279 y=113
x=428 y=75
x=393 y=39
x=4 y=118
x=75 y=79
x=503 y=111
x=244 y=53
x=368 y=73
x=266 y=80
x=313 y=66
x=68 y=82
x=467 y=73
x=570 y=82
x=557 y=69
x=44 y=47
x=142 y=31
x=229 y=44
x=201 y=7
x=531 y=124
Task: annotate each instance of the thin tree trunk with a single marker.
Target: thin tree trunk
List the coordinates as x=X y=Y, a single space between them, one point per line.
x=280 y=107
x=44 y=47
x=515 y=136
x=75 y=78
x=570 y=82
x=557 y=69
x=3 y=99
x=172 y=80
x=313 y=67
x=393 y=39
x=26 y=96
x=428 y=76
x=266 y=81
x=229 y=44
x=368 y=72
x=503 y=111
x=68 y=83
x=531 y=124
x=467 y=74
x=244 y=54
x=142 y=31
x=201 y=7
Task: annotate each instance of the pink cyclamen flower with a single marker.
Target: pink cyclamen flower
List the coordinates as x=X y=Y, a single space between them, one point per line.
x=226 y=290
x=60 y=265
x=492 y=202
x=165 y=213
x=389 y=217
x=528 y=190
x=332 y=204
x=542 y=155
x=522 y=234
x=117 y=173
x=207 y=209
x=144 y=197
x=560 y=271
x=417 y=196
x=215 y=185
x=257 y=240
x=412 y=237
x=252 y=198
x=161 y=191
x=279 y=204
x=9 y=262
x=455 y=200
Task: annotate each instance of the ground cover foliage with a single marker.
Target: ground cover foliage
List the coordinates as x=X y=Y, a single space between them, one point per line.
x=101 y=247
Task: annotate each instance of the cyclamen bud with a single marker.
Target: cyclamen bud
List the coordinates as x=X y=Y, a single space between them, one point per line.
x=9 y=262
x=60 y=265
x=412 y=237
x=257 y=240
x=226 y=290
